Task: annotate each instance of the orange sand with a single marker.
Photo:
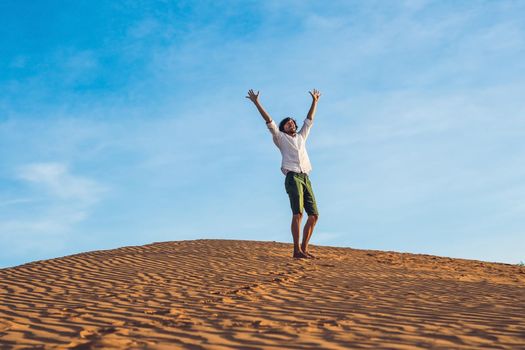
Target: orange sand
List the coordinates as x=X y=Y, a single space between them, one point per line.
x=220 y=294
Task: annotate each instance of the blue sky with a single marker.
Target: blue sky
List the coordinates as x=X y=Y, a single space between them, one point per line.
x=125 y=123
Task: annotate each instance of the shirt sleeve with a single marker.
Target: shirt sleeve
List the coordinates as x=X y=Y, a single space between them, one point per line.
x=274 y=130
x=305 y=129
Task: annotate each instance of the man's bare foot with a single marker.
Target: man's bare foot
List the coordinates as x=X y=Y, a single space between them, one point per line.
x=310 y=255
x=300 y=255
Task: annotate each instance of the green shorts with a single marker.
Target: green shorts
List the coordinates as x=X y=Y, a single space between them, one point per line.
x=301 y=195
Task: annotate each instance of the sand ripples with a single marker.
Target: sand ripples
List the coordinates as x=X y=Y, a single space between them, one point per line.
x=217 y=294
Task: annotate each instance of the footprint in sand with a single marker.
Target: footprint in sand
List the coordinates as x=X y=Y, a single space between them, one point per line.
x=90 y=332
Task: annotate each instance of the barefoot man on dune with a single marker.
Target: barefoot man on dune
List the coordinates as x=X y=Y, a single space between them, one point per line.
x=296 y=166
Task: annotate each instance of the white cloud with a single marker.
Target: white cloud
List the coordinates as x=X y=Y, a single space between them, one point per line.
x=47 y=211
x=55 y=223
x=60 y=183
x=16 y=201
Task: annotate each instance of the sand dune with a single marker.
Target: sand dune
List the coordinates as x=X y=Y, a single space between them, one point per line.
x=220 y=294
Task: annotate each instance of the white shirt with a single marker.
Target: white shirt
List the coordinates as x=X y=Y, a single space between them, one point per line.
x=293 y=148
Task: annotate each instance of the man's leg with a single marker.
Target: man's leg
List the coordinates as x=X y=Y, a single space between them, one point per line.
x=307 y=232
x=296 y=231
x=313 y=215
x=294 y=188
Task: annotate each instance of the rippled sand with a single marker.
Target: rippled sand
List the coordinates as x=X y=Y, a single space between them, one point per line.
x=221 y=294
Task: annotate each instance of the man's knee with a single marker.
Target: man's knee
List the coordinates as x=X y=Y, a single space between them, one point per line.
x=298 y=216
x=314 y=217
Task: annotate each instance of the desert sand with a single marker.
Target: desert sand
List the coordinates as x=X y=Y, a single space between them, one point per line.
x=223 y=294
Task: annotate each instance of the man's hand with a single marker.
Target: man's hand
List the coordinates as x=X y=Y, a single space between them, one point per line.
x=315 y=95
x=254 y=97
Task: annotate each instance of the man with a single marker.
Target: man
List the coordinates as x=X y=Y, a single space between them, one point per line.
x=296 y=166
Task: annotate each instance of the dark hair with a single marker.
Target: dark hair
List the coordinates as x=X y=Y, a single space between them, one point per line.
x=284 y=121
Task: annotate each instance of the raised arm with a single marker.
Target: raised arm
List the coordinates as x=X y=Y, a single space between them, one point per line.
x=254 y=97
x=315 y=97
